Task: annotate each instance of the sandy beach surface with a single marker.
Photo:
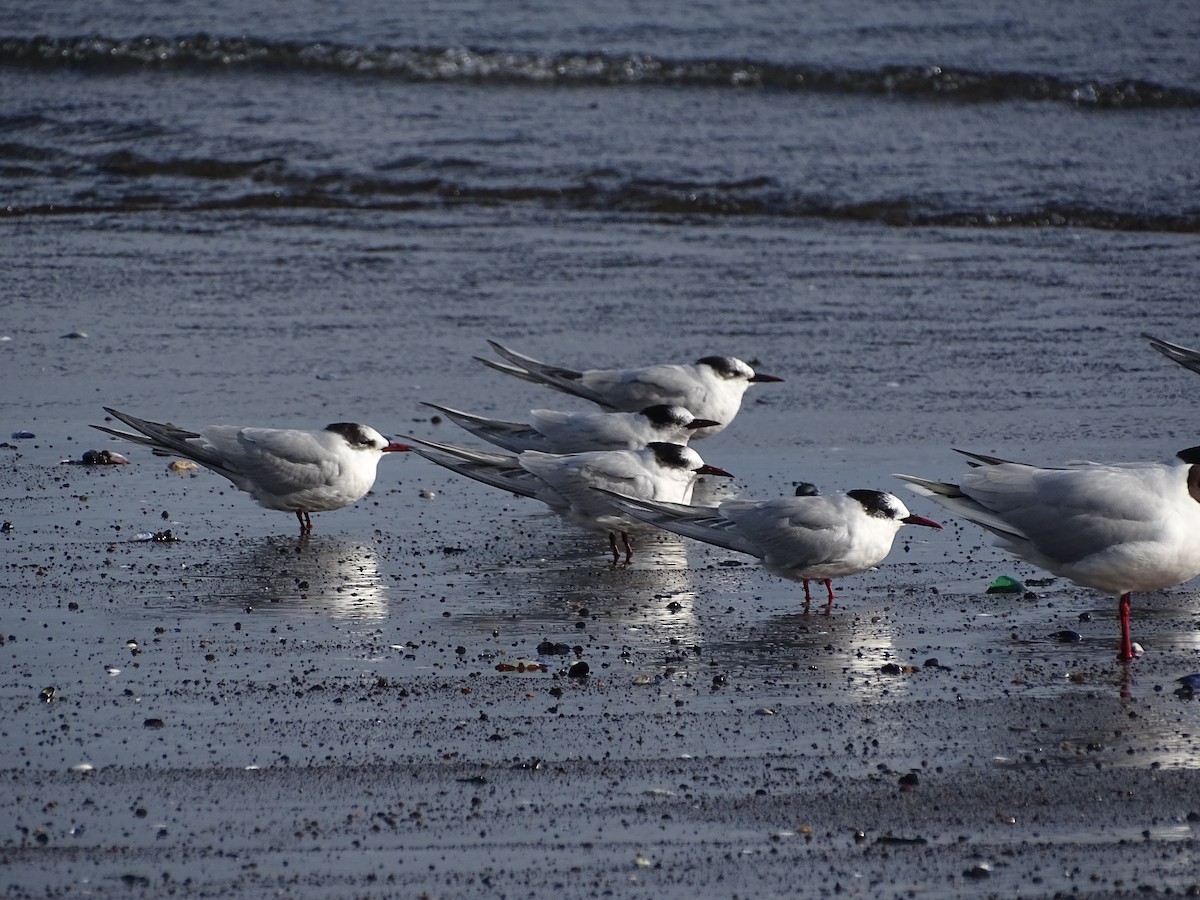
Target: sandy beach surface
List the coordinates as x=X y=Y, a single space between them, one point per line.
x=385 y=708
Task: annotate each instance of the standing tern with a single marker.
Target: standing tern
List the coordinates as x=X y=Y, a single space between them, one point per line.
x=294 y=471
x=1189 y=359
x=711 y=388
x=806 y=536
x=566 y=482
x=1116 y=528
x=551 y=431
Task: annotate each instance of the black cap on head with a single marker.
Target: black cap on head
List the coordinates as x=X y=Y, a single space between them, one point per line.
x=876 y=503
x=727 y=366
x=662 y=414
x=355 y=434
x=675 y=455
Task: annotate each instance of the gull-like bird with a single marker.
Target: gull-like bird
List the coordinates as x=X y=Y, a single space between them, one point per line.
x=295 y=471
x=566 y=482
x=1116 y=528
x=1189 y=359
x=552 y=431
x=807 y=536
x=711 y=388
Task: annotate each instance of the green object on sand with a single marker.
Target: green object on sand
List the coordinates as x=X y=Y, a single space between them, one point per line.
x=1005 y=585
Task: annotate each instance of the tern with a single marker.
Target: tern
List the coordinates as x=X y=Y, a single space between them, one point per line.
x=711 y=388
x=1189 y=359
x=551 y=431
x=803 y=537
x=295 y=471
x=566 y=482
x=1116 y=528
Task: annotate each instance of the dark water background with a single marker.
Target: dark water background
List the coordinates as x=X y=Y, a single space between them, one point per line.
x=940 y=222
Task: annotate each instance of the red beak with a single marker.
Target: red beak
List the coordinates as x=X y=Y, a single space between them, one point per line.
x=921 y=520
x=713 y=470
x=761 y=378
x=701 y=423
x=394 y=447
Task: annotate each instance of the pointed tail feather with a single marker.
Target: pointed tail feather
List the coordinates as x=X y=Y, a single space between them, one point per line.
x=568 y=381
x=167 y=440
x=515 y=436
x=702 y=523
x=1189 y=359
x=951 y=496
x=497 y=469
x=533 y=365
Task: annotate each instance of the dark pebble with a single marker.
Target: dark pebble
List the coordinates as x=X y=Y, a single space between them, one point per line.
x=578 y=670
x=154 y=723
x=978 y=871
x=719 y=681
x=890 y=669
x=1068 y=637
x=910 y=780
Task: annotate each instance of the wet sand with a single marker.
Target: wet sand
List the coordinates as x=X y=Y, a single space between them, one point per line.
x=345 y=715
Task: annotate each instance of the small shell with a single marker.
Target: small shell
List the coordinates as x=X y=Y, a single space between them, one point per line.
x=181 y=465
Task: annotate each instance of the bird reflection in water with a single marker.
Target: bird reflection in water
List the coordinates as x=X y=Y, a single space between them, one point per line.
x=316 y=573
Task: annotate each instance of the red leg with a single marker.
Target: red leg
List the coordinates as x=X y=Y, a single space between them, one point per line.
x=628 y=546
x=612 y=542
x=807 y=593
x=1126 y=640
x=829 y=587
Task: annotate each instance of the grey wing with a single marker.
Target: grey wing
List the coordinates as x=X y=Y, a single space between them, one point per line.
x=951 y=496
x=275 y=461
x=569 y=381
x=1055 y=516
x=573 y=432
x=702 y=523
x=635 y=389
x=574 y=477
x=496 y=469
x=792 y=531
x=1069 y=514
x=514 y=436
x=172 y=441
